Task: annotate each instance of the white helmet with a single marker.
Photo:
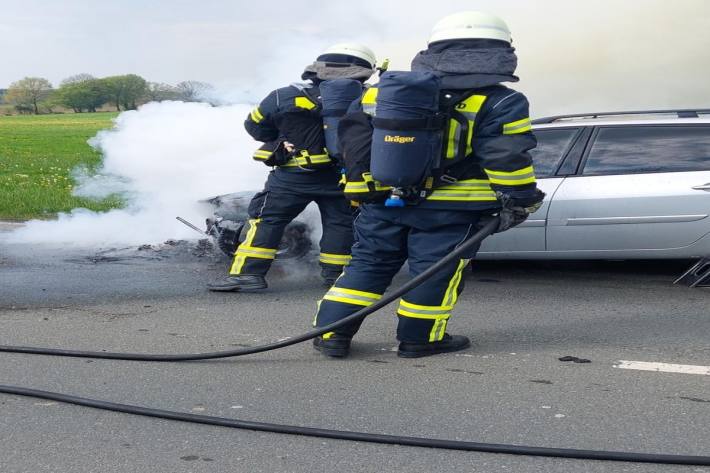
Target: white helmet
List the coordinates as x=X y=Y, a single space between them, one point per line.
x=353 y=49
x=470 y=25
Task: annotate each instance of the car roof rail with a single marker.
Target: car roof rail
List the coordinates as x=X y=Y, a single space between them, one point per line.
x=681 y=113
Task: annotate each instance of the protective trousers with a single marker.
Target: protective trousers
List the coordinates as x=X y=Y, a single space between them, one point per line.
x=384 y=239
x=285 y=196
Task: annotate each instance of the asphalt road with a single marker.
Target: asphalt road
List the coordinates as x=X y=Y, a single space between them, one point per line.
x=509 y=387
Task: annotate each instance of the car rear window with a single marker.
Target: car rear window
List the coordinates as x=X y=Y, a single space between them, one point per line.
x=551 y=146
x=649 y=149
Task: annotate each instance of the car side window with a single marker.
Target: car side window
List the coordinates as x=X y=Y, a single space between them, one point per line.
x=552 y=144
x=649 y=149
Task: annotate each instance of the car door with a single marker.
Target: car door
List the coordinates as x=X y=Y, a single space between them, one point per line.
x=641 y=187
x=556 y=149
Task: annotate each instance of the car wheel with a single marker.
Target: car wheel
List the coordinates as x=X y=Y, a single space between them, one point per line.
x=228 y=239
x=295 y=243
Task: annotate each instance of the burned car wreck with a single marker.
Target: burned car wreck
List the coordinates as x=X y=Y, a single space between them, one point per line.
x=228 y=226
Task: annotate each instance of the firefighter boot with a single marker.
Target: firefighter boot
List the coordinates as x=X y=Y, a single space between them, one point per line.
x=330 y=275
x=238 y=282
x=333 y=345
x=447 y=344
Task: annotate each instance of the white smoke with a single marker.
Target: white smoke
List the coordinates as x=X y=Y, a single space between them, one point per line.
x=163 y=159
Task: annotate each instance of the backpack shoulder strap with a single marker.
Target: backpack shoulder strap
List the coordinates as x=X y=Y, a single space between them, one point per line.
x=461 y=107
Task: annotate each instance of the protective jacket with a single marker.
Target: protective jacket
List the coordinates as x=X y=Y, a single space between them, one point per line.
x=306 y=175
x=290 y=114
x=488 y=154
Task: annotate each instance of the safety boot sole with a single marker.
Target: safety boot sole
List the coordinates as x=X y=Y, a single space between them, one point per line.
x=240 y=288
x=331 y=351
x=430 y=349
x=251 y=284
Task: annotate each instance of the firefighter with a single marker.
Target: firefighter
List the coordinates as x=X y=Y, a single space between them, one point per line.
x=486 y=170
x=289 y=123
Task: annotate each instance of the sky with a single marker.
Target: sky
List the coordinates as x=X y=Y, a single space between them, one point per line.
x=573 y=56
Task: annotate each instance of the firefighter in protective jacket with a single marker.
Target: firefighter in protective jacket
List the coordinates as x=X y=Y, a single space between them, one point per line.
x=485 y=168
x=289 y=123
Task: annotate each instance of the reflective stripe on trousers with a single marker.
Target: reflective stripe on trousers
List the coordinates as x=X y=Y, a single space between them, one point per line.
x=245 y=250
x=438 y=313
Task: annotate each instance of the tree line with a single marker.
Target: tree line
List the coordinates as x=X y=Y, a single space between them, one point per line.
x=86 y=93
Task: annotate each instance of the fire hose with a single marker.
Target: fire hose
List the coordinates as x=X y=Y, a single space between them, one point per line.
x=487 y=229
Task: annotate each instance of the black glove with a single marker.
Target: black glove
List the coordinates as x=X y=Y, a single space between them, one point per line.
x=515 y=210
x=273 y=153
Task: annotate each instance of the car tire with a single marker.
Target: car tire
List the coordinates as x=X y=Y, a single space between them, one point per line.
x=228 y=240
x=295 y=243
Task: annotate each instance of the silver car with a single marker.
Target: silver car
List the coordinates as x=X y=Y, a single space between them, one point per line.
x=619 y=186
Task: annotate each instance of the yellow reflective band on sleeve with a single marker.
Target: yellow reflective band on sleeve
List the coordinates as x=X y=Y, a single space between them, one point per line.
x=304 y=102
x=256 y=115
x=519 y=126
x=519 y=177
x=262 y=155
x=240 y=259
x=339 y=260
x=328 y=335
x=351 y=296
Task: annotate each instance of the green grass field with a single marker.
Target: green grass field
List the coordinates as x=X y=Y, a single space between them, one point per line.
x=37 y=155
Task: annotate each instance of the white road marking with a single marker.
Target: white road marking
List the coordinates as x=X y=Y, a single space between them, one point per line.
x=662 y=367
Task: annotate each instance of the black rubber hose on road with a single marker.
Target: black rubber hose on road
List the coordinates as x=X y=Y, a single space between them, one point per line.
x=328 y=433
x=364 y=436
x=462 y=249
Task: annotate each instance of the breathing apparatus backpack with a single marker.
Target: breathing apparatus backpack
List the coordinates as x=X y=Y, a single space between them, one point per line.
x=396 y=155
x=336 y=97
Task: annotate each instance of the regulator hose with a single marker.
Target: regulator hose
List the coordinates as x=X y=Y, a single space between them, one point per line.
x=363 y=436
x=487 y=229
